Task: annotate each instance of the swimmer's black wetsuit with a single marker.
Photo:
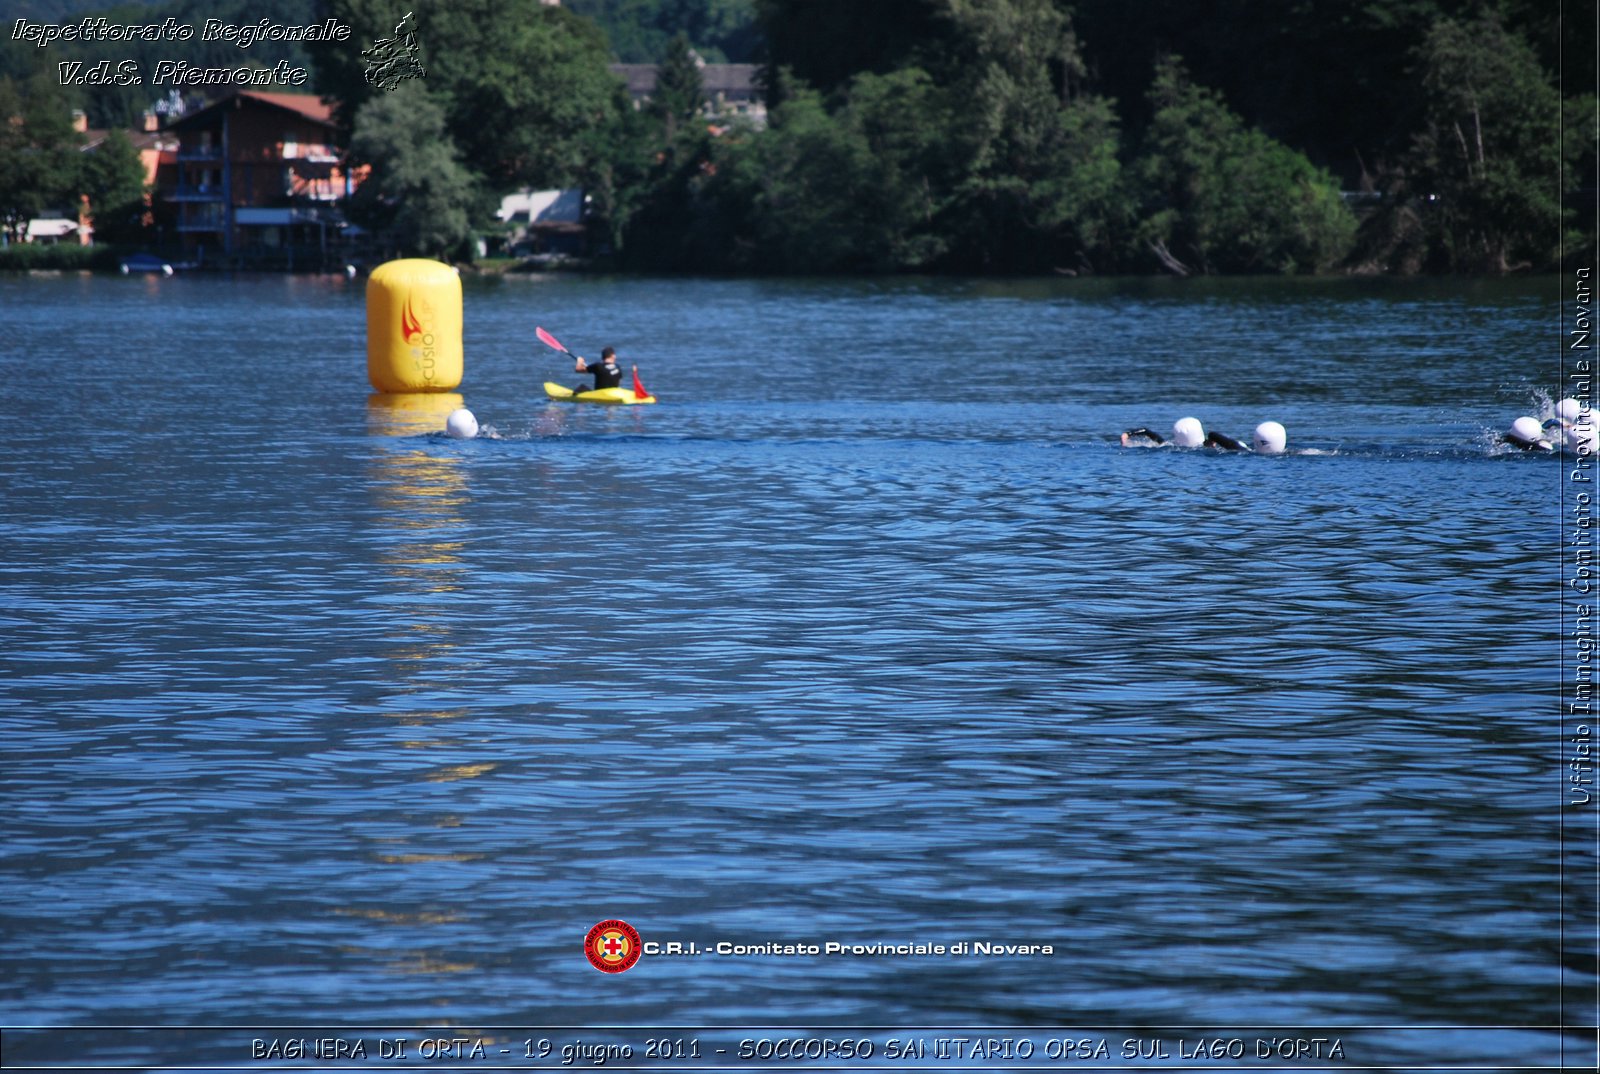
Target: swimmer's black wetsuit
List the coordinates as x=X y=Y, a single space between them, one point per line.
x=1526 y=445
x=1226 y=443
x=1216 y=440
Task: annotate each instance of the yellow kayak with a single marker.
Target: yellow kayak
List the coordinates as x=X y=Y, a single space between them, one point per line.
x=613 y=396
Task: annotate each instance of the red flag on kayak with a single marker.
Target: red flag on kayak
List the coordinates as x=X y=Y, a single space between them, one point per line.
x=638 y=389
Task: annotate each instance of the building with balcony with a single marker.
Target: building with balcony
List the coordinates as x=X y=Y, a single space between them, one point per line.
x=258 y=179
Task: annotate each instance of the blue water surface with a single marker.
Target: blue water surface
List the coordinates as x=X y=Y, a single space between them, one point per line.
x=869 y=632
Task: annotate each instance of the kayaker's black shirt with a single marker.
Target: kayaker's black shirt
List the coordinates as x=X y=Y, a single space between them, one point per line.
x=605 y=376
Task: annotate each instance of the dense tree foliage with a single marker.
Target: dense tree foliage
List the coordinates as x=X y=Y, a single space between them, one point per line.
x=1233 y=161
x=826 y=43
x=44 y=168
x=38 y=157
x=640 y=31
x=1488 y=153
x=1227 y=198
x=419 y=196
x=123 y=105
x=112 y=179
x=1037 y=182
x=680 y=92
x=992 y=157
x=984 y=135
x=1337 y=80
x=521 y=83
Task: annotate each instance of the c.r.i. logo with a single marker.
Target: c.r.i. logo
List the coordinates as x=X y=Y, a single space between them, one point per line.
x=612 y=946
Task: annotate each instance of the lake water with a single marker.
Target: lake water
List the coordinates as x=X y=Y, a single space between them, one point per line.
x=870 y=633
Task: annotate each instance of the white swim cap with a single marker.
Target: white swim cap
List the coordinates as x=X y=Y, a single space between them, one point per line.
x=1569 y=410
x=1188 y=432
x=461 y=424
x=1527 y=430
x=1270 y=438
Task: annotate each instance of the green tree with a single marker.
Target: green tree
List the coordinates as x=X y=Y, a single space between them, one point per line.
x=671 y=224
x=816 y=191
x=826 y=43
x=647 y=193
x=521 y=84
x=992 y=162
x=722 y=31
x=620 y=158
x=900 y=121
x=112 y=178
x=1220 y=197
x=418 y=193
x=680 y=92
x=40 y=154
x=1040 y=177
x=789 y=195
x=1488 y=158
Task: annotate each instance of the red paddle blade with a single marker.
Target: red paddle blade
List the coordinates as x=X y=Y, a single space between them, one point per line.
x=550 y=341
x=638 y=389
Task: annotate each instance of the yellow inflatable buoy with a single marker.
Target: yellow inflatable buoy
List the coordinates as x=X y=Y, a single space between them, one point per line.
x=414 y=326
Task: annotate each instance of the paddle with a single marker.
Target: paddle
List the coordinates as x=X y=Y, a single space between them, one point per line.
x=551 y=341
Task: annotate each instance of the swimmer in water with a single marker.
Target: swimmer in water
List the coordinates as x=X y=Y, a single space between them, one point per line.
x=1527 y=435
x=1270 y=438
x=1578 y=428
x=1186 y=432
x=1142 y=435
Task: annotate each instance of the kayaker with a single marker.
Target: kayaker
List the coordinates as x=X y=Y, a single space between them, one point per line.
x=607 y=373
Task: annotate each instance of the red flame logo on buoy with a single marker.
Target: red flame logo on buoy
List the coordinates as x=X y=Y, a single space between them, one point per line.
x=409 y=325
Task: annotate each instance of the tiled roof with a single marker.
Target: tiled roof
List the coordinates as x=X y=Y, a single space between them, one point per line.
x=140 y=139
x=307 y=105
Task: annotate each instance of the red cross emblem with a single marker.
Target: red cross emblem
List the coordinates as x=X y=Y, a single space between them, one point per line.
x=612 y=946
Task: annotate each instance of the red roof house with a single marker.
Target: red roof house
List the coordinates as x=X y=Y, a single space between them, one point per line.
x=258 y=176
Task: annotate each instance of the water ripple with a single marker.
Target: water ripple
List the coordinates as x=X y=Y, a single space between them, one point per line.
x=310 y=719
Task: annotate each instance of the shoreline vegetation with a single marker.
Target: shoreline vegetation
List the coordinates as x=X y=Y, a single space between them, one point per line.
x=939 y=137
x=57 y=260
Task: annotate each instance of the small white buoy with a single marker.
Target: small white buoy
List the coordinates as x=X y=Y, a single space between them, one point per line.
x=1188 y=432
x=1569 y=410
x=461 y=424
x=1270 y=438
